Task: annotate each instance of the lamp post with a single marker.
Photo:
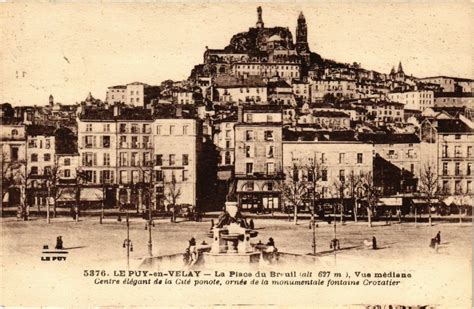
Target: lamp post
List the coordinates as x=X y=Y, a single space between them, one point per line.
x=127 y=243
x=48 y=218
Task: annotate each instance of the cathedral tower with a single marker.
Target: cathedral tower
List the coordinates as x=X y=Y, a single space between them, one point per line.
x=259 y=24
x=301 y=35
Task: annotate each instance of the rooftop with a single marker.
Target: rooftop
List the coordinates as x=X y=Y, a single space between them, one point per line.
x=37 y=130
x=453 y=126
x=389 y=138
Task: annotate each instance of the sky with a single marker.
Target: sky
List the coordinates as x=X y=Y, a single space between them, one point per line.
x=69 y=49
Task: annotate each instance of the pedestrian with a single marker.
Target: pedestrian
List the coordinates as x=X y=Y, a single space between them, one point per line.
x=438 y=238
x=374 y=243
x=251 y=224
x=59 y=243
x=433 y=243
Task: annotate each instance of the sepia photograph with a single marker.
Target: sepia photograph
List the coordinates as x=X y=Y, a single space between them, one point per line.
x=176 y=154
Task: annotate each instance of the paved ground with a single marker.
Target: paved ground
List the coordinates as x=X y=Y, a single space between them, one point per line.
x=92 y=245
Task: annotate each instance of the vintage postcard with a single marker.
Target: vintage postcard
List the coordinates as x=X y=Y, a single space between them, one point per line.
x=175 y=154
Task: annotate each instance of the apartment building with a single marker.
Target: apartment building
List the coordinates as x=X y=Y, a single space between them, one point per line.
x=416 y=100
x=337 y=158
x=455 y=142
x=13 y=156
x=258 y=156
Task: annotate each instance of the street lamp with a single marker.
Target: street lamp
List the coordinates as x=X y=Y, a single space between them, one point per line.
x=127 y=243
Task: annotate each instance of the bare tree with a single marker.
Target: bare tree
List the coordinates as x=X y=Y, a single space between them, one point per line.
x=172 y=194
x=372 y=194
x=55 y=190
x=314 y=172
x=293 y=189
x=428 y=187
x=353 y=185
x=339 y=186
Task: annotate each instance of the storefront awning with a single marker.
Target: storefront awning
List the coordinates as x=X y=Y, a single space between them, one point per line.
x=458 y=201
x=390 y=201
x=92 y=194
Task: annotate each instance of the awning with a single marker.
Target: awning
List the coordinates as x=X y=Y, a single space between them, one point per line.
x=458 y=201
x=390 y=201
x=92 y=194
x=424 y=201
x=67 y=195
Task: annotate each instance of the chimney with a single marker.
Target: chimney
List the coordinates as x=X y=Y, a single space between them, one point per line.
x=240 y=113
x=179 y=111
x=116 y=110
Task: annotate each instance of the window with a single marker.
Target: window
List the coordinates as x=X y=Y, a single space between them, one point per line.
x=445 y=151
x=123 y=158
x=89 y=141
x=67 y=173
x=269 y=151
x=227 y=144
x=89 y=127
x=14 y=132
x=457 y=151
x=185 y=130
x=249 y=135
x=34 y=157
x=67 y=161
x=457 y=170
x=342 y=176
x=106 y=141
x=34 y=170
x=14 y=153
x=324 y=175
x=445 y=168
x=172 y=159
x=468 y=169
x=269 y=186
x=171 y=129
x=123 y=142
x=123 y=177
x=47 y=157
x=135 y=128
x=359 y=158
x=469 y=187
x=227 y=158
x=269 y=118
x=323 y=158
x=123 y=128
x=249 y=186
x=158 y=130
x=457 y=187
x=106 y=159
x=341 y=158
x=146 y=142
x=249 y=117
x=159 y=175
x=134 y=141
x=47 y=144
x=248 y=151
x=249 y=167
x=270 y=168
x=268 y=135
x=469 y=151
x=457 y=136
x=185 y=159
x=47 y=170
x=159 y=160
x=106 y=176
x=135 y=176
x=185 y=175
x=106 y=127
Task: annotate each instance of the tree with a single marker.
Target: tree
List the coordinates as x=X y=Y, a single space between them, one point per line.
x=340 y=185
x=55 y=190
x=428 y=186
x=372 y=194
x=353 y=185
x=314 y=171
x=293 y=189
x=172 y=194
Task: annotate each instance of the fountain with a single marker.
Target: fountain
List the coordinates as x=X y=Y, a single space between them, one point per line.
x=231 y=239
